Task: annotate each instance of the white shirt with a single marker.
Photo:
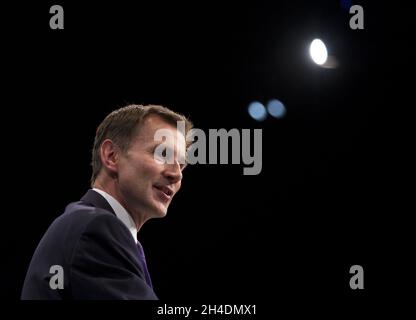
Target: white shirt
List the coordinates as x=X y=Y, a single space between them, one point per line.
x=120 y=212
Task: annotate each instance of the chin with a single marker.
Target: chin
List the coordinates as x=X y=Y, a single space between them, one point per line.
x=160 y=215
x=160 y=212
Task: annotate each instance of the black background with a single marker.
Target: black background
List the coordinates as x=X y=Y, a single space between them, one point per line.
x=333 y=188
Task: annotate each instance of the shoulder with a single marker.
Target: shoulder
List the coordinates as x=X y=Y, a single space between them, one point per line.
x=86 y=219
x=96 y=224
x=97 y=234
x=81 y=220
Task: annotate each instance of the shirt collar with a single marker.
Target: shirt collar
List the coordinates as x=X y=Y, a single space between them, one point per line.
x=120 y=212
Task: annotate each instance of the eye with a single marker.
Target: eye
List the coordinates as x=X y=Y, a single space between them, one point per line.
x=159 y=154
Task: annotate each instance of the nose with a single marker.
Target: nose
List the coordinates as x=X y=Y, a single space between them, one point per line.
x=173 y=172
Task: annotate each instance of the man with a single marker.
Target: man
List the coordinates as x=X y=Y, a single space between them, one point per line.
x=91 y=251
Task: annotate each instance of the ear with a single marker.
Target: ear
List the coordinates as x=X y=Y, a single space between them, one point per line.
x=110 y=155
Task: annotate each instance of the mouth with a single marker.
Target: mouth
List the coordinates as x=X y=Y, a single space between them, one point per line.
x=164 y=192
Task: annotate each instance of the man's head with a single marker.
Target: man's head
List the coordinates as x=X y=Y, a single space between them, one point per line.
x=124 y=164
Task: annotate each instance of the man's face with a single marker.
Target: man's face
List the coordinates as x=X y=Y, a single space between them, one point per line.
x=146 y=185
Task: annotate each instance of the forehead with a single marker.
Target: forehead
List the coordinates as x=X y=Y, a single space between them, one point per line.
x=153 y=123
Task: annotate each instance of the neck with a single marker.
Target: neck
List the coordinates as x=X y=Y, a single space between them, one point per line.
x=109 y=187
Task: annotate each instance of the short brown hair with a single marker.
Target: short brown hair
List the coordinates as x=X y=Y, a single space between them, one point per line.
x=122 y=124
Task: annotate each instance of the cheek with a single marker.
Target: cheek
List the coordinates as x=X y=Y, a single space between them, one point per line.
x=141 y=173
x=150 y=171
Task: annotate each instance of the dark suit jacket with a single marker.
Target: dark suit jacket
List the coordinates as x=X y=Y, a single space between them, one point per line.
x=98 y=255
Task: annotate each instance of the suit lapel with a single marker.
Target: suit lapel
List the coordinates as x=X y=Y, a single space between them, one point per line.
x=97 y=200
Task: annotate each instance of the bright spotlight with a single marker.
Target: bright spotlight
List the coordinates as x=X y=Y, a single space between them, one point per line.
x=276 y=108
x=257 y=111
x=318 y=51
